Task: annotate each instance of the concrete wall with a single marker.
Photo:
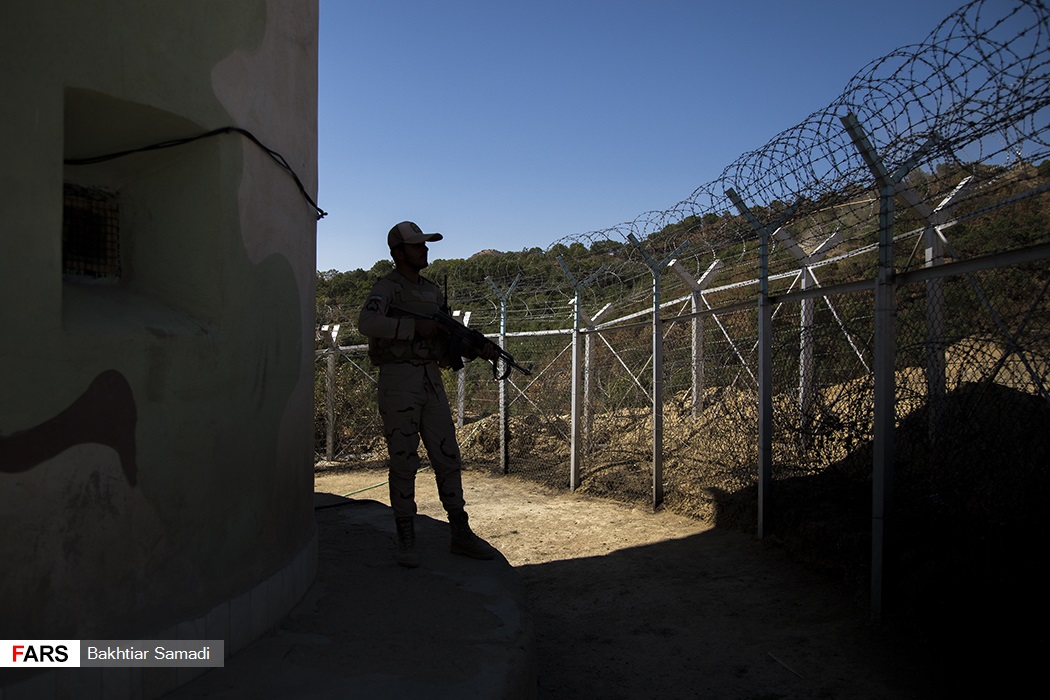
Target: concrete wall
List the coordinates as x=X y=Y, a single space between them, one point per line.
x=156 y=429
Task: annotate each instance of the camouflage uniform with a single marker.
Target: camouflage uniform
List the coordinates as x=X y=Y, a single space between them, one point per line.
x=412 y=399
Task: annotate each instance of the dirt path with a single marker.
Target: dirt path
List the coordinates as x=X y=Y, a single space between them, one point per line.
x=631 y=604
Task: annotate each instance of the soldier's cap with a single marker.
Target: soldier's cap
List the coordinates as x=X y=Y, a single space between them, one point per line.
x=408 y=232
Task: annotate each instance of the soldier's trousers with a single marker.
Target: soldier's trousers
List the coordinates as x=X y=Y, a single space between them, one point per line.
x=413 y=406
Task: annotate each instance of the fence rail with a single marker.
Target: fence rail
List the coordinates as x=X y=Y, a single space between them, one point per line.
x=856 y=310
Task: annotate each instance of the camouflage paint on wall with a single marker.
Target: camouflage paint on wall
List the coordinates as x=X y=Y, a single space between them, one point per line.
x=155 y=433
x=105 y=414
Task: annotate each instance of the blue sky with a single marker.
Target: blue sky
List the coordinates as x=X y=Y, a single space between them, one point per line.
x=513 y=125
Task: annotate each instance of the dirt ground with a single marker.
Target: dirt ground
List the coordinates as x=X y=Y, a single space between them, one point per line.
x=631 y=604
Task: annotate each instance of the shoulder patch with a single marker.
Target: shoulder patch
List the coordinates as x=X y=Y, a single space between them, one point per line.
x=374 y=302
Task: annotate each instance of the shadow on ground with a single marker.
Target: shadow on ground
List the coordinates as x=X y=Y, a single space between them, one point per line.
x=712 y=615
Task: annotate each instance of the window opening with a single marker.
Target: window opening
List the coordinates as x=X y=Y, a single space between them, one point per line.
x=90 y=234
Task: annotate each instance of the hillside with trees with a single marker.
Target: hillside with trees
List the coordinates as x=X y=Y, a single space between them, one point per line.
x=542 y=296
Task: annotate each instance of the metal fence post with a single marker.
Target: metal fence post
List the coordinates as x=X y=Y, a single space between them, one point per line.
x=697 y=286
x=575 y=436
x=936 y=364
x=885 y=348
x=765 y=357
x=590 y=371
x=658 y=368
x=332 y=332
x=504 y=405
x=808 y=281
x=576 y=441
x=461 y=378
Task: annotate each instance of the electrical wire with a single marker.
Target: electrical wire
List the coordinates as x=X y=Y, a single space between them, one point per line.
x=277 y=157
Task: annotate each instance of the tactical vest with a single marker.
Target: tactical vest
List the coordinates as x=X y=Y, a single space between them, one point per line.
x=424 y=298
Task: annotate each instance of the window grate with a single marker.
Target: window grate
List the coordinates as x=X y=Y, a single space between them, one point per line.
x=90 y=233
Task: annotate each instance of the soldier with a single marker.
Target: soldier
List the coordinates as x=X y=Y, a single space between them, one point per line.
x=412 y=403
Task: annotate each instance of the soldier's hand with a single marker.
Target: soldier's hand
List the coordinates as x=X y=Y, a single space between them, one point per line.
x=488 y=352
x=425 y=328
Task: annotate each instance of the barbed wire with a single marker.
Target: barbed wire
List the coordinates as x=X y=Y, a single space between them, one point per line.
x=978 y=86
x=970 y=343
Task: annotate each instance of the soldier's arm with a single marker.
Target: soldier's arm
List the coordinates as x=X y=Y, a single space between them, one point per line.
x=374 y=322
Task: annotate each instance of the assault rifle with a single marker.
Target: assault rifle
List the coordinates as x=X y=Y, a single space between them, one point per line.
x=461 y=334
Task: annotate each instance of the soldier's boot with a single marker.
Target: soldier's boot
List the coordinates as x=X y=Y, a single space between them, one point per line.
x=464 y=541
x=406 y=542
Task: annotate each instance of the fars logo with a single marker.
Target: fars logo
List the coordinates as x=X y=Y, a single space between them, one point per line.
x=35 y=653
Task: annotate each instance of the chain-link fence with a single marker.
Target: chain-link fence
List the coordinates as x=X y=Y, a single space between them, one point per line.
x=532 y=440
x=530 y=436
x=346 y=407
x=852 y=326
